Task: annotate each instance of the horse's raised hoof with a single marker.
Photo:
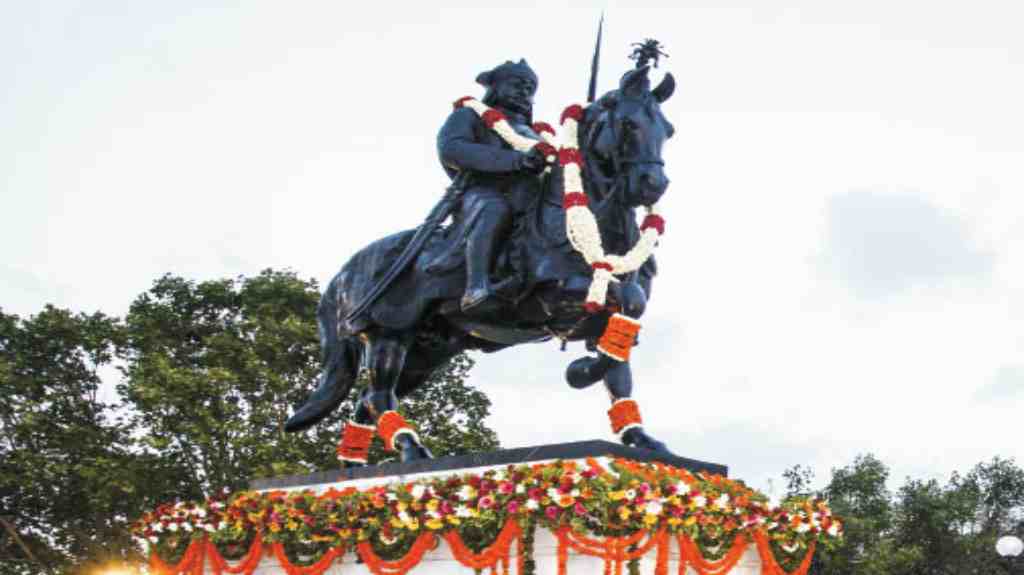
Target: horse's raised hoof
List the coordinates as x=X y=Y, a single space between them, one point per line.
x=410 y=449
x=636 y=437
x=587 y=371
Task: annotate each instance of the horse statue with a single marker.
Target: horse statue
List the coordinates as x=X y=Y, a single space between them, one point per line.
x=397 y=336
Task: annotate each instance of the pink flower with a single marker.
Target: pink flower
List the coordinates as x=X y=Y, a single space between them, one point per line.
x=506 y=487
x=446 y=507
x=513 y=507
x=536 y=493
x=486 y=502
x=580 y=509
x=551 y=512
x=644 y=488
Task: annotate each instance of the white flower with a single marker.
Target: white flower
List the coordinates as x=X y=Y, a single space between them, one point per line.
x=722 y=501
x=201 y=513
x=631 y=494
x=700 y=501
x=500 y=475
x=575 y=493
x=209 y=527
x=532 y=504
x=172 y=527
x=833 y=529
x=790 y=548
x=554 y=494
x=466 y=492
x=772 y=525
x=391 y=496
x=654 y=508
x=803 y=528
x=158 y=527
x=186 y=526
x=153 y=540
x=462 y=511
x=403 y=517
x=417 y=491
x=520 y=488
x=433 y=515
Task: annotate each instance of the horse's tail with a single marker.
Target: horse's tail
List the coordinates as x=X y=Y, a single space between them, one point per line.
x=338 y=358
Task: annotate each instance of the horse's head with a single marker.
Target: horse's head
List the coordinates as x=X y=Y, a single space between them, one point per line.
x=624 y=133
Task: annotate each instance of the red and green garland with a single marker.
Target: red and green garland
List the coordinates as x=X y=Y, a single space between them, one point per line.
x=626 y=507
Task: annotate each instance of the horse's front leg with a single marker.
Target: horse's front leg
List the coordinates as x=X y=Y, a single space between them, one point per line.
x=385 y=358
x=589 y=370
x=625 y=413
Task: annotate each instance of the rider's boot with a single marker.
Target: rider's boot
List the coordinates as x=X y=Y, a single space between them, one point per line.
x=479 y=297
x=636 y=437
x=588 y=370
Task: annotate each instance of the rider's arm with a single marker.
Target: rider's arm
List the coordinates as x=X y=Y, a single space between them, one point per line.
x=458 y=148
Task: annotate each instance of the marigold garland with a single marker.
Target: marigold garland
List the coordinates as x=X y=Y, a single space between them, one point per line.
x=389 y=425
x=624 y=414
x=619 y=337
x=355 y=442
x=592 y=509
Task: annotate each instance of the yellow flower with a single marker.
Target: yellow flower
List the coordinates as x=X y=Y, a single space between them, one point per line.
x=274 y=527
x=433 y=504
x=454 y=520
x=650 y=519
x=396 y=522
x=414 y=525
x=617 y=495
x=374 y=522
x=402 y=506
x=624 y=512
x=690 y=521
x=345 y=533
x=434 y=524
x=674 y=500
x=675 y=521
x=292 y=525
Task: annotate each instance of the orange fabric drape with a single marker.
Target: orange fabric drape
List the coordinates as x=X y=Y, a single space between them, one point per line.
x=425 y=542
x=689 y=554
x=496 y=557
x=245 y=566
x=495 y=553
x=769 y=566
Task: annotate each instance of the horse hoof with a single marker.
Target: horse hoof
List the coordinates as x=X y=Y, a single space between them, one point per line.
x=636 y=437
x=410 y=449
x=587 y=371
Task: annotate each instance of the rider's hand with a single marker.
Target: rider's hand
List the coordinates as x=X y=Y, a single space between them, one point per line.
x=532 y=162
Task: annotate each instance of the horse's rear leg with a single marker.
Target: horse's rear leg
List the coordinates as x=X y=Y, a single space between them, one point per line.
x=384 y=357
x=625 y=414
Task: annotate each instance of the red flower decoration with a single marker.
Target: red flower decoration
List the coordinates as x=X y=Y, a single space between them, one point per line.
x=492 y=117
x=570 y=156
x=575 y=112
x=574 y=199
x=654 y=221
x=541 y=127
x=546 y=149
x=602 y=266
x=458 y=103
x=592 y=307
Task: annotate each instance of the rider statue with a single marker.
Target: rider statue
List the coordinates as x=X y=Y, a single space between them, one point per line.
x=498 y=182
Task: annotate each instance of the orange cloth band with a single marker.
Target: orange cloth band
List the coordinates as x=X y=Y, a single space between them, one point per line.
x=355 y=442
x=624 y=412
x=390 y=424
x=619 y=337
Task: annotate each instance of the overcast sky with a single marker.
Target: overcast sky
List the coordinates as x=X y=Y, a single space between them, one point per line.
x=842 y=269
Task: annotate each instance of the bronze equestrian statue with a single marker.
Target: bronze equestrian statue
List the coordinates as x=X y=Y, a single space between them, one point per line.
x=503 y=271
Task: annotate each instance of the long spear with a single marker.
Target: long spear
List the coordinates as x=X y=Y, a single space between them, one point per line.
x=592 y=91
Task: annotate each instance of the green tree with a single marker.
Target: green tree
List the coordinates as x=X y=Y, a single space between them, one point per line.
x=213 y=368
x=69 y=482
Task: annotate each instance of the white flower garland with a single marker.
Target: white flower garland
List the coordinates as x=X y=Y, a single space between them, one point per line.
x=581 y=226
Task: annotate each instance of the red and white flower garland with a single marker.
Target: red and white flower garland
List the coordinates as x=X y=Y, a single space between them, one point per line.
x=581 y=226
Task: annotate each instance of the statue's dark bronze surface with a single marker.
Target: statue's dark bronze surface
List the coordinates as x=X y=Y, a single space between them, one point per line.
x=502 y=272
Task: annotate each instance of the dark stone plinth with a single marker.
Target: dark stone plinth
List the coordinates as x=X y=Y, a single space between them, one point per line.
x=577 y=450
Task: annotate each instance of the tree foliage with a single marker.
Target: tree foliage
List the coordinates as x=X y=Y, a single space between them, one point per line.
x=923 y=528
x=209 y=372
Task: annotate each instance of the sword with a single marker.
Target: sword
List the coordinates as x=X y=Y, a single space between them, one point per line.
x=441 y=210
